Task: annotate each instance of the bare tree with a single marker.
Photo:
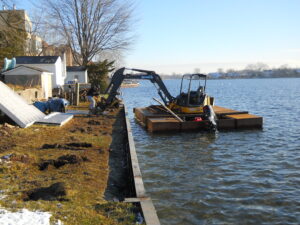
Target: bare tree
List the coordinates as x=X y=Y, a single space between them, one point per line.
x=257 y=67
x=91 y=27
x=220 y=71
x=197 y=70
x=7 y=3
x=17 y=32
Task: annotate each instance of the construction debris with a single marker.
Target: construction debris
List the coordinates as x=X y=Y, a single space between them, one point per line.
x=23 y=114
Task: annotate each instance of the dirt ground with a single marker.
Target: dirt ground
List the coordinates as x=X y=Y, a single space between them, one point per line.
x=77 y=172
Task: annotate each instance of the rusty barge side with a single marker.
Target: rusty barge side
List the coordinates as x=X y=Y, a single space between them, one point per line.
x=228 y=119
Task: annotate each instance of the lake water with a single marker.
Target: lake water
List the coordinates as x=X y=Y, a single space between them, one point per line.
x=235 y=177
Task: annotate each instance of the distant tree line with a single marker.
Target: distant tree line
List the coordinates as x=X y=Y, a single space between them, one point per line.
x=257 y=70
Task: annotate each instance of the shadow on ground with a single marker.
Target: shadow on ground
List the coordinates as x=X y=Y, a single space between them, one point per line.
x=119 y=180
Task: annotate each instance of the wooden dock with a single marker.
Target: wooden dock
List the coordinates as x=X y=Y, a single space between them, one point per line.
x=155 y=120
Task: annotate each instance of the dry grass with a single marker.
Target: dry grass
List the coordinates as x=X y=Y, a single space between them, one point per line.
x=82 y=106
x=16 y=87
x=85 y=181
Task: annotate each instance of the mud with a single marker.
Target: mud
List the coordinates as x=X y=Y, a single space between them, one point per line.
x=61 y=161
x=87 y=130
x=94 y=122
x=68 y=146
x=54 y=192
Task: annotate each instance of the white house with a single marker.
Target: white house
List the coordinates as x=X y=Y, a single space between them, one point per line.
x=30 y=77
x=53 y=64
x=267 y=73
x=215 y=75
x=78 y=73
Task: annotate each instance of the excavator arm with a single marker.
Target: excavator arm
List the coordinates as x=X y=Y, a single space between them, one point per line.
x=119 y=76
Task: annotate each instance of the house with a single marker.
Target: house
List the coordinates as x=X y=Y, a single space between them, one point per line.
x=30 y=79
x=78 y=73
x=58 y=50
x=53 y=64
x=215 y=75
x=19 y=20
x=268 y=73
x=19 y=17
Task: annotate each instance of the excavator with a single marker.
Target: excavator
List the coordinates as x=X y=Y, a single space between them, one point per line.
x=191 y=101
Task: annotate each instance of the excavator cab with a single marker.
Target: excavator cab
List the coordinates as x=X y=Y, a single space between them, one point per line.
x=192 y=96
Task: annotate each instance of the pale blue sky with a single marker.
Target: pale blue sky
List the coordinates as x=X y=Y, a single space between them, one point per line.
x=181 y=35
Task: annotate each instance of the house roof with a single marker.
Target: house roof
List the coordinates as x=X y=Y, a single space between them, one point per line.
x=36 y=59
x=29 y=67
x=75 y=68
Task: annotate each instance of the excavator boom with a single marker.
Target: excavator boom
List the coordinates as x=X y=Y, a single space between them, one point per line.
x=119 y=76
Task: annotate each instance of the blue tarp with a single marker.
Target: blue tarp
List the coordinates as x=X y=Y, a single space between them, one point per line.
x=42 y=106
x=52 y=105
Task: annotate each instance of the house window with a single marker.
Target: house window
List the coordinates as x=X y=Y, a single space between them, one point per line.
x=36 y=94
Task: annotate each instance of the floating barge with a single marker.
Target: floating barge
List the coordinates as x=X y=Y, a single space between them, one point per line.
x=154 y=119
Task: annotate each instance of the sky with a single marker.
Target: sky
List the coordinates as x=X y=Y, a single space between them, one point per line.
x=180 y=36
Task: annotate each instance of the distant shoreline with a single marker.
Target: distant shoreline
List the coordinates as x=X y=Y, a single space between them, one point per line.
x=232 y=78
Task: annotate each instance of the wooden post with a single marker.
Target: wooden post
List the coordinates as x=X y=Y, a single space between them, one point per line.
x=77 y=94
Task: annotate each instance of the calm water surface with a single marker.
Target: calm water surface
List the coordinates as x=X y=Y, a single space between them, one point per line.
x=238 y=177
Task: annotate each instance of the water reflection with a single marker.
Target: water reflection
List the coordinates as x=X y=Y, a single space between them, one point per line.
x=241 y=177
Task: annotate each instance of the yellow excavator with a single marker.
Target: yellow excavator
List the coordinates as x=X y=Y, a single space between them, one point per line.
x=191 y=100
x=193 y=97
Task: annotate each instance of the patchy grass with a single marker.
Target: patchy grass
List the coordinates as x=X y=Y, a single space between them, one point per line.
x=85 y=180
